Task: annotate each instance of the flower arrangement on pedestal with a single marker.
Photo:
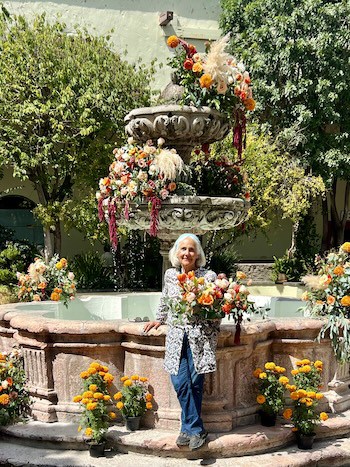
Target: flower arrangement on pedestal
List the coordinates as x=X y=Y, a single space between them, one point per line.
x=95 y=400
x=328 y=298
x=214 y=79
x=213 y=300
x=134 y=399
x=47 y=281
x=138 y=174
x=271 y=384
x=14 y=397
x=305 y=396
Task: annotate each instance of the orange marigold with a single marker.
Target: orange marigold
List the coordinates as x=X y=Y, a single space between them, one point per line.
x=173 y=42
x=93 y=387
x=323 y=416
x=128 y=382
x=55 y=296
x=77 y=398
x=108 y=378
x=112 y=415
x=84 y=374
x=249 y=103
x=98 y=395
x=148 y=397
x=143 y=379
x=256 y=373
x=124 y=378
x=338 y=270
x=260 y=399
x=120 y=405
x=118 y=396
x=149 y=405
x=287 y=414
x=135 y=377
x=205 y=81
x=346 y=247
x=106 y=397
x=4 y=399
x=197 y=67
x=88 y=432
x=91 y=405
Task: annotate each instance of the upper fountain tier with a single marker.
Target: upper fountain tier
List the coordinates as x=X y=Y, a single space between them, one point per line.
x=182 y=127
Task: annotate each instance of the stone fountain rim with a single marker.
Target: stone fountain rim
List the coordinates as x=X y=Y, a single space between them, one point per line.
x=173 y=108
x=189 y=200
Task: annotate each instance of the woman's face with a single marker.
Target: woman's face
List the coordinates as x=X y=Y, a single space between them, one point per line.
x=187 y=254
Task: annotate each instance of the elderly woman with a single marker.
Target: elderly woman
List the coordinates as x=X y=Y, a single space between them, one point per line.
x=190 y=345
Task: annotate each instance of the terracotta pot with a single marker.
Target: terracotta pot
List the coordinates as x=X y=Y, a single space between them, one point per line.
x=97 y=449
x=305 y=441
x=267 y=419
x=132 y=423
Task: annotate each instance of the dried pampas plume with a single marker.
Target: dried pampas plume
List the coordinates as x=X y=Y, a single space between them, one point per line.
x=169 y=164
x=312 y=282
x=216 y=62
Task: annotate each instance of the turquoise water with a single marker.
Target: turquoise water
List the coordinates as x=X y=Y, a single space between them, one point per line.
x=140 y=307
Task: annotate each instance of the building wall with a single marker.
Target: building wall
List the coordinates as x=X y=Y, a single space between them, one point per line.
x=134 y=27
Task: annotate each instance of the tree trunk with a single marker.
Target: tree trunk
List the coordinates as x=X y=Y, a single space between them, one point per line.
x=325 y=226
x=48 y=244
x=57 y=238
x=293 y=246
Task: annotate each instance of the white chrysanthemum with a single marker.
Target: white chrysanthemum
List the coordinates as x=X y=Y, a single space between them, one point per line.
x=169 y=164
x=216 y=62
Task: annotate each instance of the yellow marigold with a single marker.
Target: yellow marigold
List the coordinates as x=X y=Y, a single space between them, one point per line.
x=270 y=366
x=257 y=372
x=92 y=371
x=295 y=372
x=319 y=395
x=128 y=382
x=294 y=428
x=84 y=374
x=4 y=399
x=91 y=405
x=77 y=398
x=338 y=270
x=287 y=414
x=299 y=363
x=309 y=402
x=120 y=405
x=292 y=387
x=88 y=394
x=260 y=399
x=108 y=378
x=241 y=275
x=124 y=378
x=88 y=432
x=302 y=400
x=294 y=395
x=302 y=393
x=85 y=400
x=149 y=405
x=323 y=416
x=283 y=380
x=105 y=369
x=197 y=67
x=205 y=81
x=345 y=301
x=173 y=42
x=118 y=396
x=101 y=373
x=346 y=247
x=95 y=365
x=143 y=379
x=106 y=397
x=148 y=397
x=305 y=361
x=311 y=394
x=263 y=375
x=305 y=369
x=112 y=415
x=318 y=364
x=55 y=296
x=98 y=395
x=280 y=369
x=93 y=387
x=135 y=377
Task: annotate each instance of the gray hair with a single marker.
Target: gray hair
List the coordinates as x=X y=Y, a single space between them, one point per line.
x=200 y=261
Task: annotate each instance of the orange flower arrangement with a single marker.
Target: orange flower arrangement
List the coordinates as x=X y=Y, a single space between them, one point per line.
x=134 y=399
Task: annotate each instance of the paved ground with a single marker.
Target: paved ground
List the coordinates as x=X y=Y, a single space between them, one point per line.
x=325 y=454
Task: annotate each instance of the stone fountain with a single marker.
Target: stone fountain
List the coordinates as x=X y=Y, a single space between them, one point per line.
x=183 y=128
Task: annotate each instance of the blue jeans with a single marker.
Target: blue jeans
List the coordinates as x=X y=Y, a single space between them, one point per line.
x=189 y=389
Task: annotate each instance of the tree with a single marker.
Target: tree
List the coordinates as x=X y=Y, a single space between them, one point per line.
x=63 y=99
x=298 y=52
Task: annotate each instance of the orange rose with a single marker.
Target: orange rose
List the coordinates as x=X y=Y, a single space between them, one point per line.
x=345 y=301
x=173 y=42
x=172 y=186
x=205 y=81
x=55 y=297
x=188 y=64
x=226 y=308
x=330 y=300
x=338 y=270
x=206 y=299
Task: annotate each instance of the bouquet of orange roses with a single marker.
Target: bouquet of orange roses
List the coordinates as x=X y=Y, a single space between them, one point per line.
x=213 y=300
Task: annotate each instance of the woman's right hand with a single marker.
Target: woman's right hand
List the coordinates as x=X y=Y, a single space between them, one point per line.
x=150 y=325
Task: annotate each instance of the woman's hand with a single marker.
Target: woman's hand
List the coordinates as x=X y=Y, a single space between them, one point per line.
x=150 y=325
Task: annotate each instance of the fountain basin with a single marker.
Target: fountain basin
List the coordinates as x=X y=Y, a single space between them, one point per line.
x=57 y=350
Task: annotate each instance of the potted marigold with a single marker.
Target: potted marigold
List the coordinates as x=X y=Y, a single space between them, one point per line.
x=305 y=396
x=133 y=400
x=14 y=397
x=271 y=384
x=95 y=400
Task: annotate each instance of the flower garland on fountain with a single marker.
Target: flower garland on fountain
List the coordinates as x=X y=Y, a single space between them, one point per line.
x=138 y=174
x=214 y=79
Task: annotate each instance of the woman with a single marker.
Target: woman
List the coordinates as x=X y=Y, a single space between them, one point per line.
x=191 y=345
